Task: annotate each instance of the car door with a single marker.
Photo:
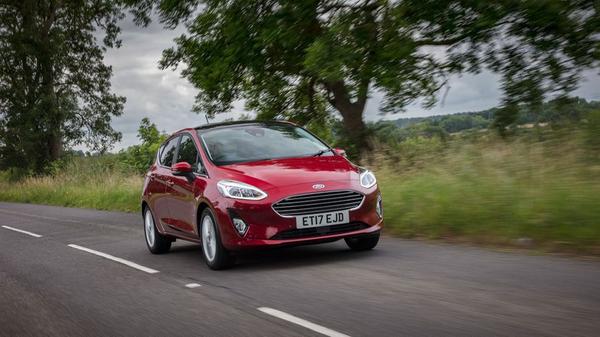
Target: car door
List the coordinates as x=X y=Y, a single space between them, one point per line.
x=160 y=178
x=184 y=191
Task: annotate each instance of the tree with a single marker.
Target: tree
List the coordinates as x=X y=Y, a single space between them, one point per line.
x=54 y=86
x=300 y=58
x=141 y=156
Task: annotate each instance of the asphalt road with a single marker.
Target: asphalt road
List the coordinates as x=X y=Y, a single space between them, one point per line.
x=402 y=288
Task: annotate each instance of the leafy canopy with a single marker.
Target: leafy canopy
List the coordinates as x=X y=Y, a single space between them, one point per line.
x=300 y=58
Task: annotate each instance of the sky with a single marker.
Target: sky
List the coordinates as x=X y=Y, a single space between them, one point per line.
x=167 y=99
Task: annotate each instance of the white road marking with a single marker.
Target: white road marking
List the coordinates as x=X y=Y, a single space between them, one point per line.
x=297 y=320
x=63 y=219
x=193 y=285
x=116 y=259
x=22 y=231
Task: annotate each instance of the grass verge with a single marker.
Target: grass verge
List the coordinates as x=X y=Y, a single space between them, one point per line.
x=84 y=182
x=541 y=189
x=543 y=194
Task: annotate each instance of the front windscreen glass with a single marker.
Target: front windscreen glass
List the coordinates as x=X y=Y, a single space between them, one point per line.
x=254 y=142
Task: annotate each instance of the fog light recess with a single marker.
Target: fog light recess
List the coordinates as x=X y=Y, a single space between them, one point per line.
x=379 y=207
x=240 y=226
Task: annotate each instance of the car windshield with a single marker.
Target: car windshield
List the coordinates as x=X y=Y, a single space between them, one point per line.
x=254 y=142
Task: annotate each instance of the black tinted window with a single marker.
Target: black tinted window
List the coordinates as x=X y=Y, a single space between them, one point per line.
x=187 y=152
x=168 y=152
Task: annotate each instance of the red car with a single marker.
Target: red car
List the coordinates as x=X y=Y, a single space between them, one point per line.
x=239 y=185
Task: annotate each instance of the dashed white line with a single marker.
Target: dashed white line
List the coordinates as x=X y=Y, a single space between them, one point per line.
x=193 y=285
x=63 y=220
x=22 y=231
x=302 y=322
x=116 y=259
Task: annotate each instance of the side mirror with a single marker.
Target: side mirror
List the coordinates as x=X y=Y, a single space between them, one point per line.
x=182 y=169
x=340 y=152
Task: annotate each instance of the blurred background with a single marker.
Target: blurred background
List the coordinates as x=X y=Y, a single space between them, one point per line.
x=481 y=119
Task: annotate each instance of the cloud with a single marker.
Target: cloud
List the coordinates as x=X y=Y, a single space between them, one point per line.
x=161 y=95
x=167 y=99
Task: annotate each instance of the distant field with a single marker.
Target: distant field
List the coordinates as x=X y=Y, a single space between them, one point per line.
x=541 y=188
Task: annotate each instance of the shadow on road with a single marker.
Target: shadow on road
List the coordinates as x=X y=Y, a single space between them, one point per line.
x=283 y=257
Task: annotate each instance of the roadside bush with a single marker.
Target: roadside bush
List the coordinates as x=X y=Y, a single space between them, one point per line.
x=139 y=157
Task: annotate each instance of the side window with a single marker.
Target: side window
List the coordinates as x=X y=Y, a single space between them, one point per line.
x=188 y=153
x=168 y=152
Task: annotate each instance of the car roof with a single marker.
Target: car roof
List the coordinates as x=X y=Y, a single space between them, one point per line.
x=230 y=123
x=246 y=122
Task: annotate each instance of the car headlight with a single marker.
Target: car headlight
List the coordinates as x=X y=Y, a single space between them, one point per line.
x=237 y=190
x=367 y=179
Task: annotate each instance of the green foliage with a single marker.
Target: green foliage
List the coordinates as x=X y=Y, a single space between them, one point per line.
x=543 y=184
x=553 y=112
x=486 y=190
x=472 y=187
x=592 y=133
x=140 y=157
x=99 y=182
x=300 y=59
x=54 y=87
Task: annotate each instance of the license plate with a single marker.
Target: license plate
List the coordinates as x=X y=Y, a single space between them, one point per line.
x=323 y=219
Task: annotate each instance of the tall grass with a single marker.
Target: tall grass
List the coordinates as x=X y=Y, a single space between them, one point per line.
x=543 y=186
x=82 y=182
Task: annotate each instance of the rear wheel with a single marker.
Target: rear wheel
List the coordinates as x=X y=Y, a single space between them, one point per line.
x=361 y=243
x=215 y=255
x=156 y=242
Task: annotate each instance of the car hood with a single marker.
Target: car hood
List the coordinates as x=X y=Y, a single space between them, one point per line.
x=276 y=173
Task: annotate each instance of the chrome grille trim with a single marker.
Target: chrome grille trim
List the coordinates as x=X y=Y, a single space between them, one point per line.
x=318 y=202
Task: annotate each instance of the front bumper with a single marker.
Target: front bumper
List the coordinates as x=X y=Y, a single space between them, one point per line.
x=269 y=229
x=256 y=243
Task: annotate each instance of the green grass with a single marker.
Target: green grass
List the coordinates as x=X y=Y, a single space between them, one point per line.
x=543 y=185
x=84 y=182
x=486 y=190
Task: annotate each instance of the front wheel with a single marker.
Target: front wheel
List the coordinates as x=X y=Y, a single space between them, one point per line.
x=156 y=242
x=361 y=243
x=215 y=255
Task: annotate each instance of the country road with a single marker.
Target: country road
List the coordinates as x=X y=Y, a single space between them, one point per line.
x=76 y=272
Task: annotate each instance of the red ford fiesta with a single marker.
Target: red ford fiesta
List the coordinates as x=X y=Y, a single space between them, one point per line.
x=239 y=185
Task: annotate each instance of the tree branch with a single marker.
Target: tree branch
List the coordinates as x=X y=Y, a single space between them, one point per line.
x=444 y=42
x=366 y=6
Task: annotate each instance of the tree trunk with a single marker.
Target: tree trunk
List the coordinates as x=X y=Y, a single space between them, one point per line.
x=54 y=116
x=355 y=131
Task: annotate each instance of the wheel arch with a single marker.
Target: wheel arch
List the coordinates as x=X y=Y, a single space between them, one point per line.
x=143 y=206
x=204 y=204
x=201 y=207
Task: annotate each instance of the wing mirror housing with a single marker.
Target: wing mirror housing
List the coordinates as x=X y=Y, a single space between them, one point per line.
x=182 y=169
x=340 y=152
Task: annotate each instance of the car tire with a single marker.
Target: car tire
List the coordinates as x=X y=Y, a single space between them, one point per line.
x=156 y=242
x=215 y=255
x=361 y=243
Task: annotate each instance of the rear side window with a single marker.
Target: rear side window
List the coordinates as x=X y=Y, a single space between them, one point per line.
x=168 y=152
x=188 y=152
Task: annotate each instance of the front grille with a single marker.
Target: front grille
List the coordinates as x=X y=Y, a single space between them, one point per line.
x=321 y=202
x=319 y=231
